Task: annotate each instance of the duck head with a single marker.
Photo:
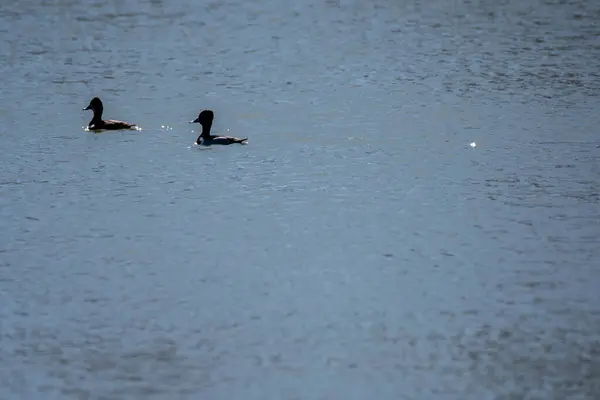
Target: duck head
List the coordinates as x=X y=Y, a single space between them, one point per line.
x=205 y=118
x=95 y=105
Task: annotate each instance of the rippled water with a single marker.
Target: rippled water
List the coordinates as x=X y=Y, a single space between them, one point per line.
x=359 y=247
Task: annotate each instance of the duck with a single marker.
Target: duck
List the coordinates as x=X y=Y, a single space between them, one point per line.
x=205 y=118
x=97 y=123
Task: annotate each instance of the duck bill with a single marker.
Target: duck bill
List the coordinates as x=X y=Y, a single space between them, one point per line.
x=194 y=121
x=89 y=107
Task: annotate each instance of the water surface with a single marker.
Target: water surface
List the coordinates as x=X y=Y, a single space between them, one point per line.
x=357 y=248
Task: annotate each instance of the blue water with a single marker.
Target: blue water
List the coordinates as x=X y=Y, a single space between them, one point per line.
x=416 y=215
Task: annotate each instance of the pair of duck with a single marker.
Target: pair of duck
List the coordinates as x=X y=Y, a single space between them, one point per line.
x=205 y=119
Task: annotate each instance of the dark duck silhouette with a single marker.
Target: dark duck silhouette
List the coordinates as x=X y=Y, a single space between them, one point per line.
x=205 y=118
x=97 y=123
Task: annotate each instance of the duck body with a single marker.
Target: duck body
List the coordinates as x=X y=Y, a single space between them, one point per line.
x=222 y=140
x=97 y=123
x=205 y=118
x=109 y=124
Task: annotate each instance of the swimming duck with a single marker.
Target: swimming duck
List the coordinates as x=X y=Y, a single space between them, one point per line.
x=97 y=123
x=205 y=118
